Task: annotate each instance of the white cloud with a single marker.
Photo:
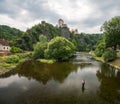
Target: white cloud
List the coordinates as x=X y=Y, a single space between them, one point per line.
x=85 y=15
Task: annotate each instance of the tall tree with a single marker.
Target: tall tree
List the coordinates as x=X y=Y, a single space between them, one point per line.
x=111 y=30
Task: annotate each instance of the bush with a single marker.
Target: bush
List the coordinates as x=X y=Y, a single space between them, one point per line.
x=15 y=50
x=100 y=49
x=12 y=59
x=109 y=55
x=59 y=49
x=39 y=50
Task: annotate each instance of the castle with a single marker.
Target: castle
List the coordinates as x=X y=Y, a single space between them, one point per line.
x=62 y=25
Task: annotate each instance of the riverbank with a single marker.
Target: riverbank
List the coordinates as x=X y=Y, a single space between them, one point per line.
x=115 y=63
x=7 y=63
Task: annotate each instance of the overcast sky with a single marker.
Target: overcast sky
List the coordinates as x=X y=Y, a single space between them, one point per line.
x=85 y=15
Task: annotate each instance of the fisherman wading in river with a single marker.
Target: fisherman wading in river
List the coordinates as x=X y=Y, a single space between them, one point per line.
x=83 y=85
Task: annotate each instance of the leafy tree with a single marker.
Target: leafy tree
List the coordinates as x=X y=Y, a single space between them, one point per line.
x=42 y=38
x=109 y=55
x=39 y=50
x=60 y=49
x=100 y=48
x=111 y=30
x=25 y=42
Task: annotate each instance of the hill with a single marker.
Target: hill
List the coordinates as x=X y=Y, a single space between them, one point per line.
x=26 y=40
x=9 y=33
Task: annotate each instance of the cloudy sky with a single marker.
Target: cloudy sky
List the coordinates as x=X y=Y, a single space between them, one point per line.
x=85 y=15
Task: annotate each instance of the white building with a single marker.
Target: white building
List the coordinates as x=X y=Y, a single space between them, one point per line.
x=4 y=46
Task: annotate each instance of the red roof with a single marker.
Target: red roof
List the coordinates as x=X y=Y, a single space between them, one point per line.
x=4 y=42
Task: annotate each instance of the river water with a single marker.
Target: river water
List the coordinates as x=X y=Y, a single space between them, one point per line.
x=61 y=83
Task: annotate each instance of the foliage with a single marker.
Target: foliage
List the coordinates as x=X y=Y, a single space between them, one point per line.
x=44 y=28
x=25 y=42
x=42 y=38
x=86 y=42
x=15 y=49
x=111 y=30
x=100 y=48
x=9 y=33
x=12 y=59
x=118 y=54
x=59 y=49
x=109 y=55
x=39 y=50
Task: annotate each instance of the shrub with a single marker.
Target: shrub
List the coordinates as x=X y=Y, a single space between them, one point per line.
x=59 y=48
x=39 y=50
x=15 y=50
x=12 y=59
x=109 y=55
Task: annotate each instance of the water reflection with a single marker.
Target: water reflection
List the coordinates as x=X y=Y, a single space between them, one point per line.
x=110 y=84
x=61 y=83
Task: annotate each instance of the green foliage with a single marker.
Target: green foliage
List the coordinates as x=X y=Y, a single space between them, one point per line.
x=25 y=42
x=12 y=59
x=39 y=50
x=15 y=50
x=9 y=33
x=109 y=55
x=111 y=30
x=118 y=54
x=44 y=28
x=42 y=38
x=100 y=49
x=85 y=42
x=59 y=49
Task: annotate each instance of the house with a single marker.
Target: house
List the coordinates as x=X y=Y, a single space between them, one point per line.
x=4 y=46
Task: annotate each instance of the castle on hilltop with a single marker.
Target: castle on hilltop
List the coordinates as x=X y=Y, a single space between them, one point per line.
x=61 y=23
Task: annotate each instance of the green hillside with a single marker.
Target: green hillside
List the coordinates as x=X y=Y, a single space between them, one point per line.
x=26 y=40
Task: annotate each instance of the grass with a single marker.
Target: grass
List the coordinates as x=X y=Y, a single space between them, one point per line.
x=9 y=62
x=48 y=61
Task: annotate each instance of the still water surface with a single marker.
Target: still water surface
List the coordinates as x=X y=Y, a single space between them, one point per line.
x=60 y=83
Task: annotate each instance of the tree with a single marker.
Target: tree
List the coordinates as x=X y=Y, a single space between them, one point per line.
x=39 y=50
x=100 y=48
x=109 y=55
x=42 y=38
x=59 y=48
x=111 y=30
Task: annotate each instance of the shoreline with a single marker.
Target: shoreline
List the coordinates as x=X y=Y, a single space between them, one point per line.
x=115 y=63
x=8 y=63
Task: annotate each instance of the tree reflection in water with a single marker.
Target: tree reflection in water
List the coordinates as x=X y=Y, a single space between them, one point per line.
x=109 y=84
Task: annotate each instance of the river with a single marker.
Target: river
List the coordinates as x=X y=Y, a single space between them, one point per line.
x=33 y=82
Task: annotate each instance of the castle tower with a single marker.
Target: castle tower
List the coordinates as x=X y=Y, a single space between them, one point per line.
x=60 y=23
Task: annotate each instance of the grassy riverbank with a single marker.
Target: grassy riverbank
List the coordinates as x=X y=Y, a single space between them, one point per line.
x=7 y=63
x=50 y=61
x=115 y=63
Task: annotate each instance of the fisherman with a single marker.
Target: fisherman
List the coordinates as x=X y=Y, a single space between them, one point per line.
x=83 y=84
